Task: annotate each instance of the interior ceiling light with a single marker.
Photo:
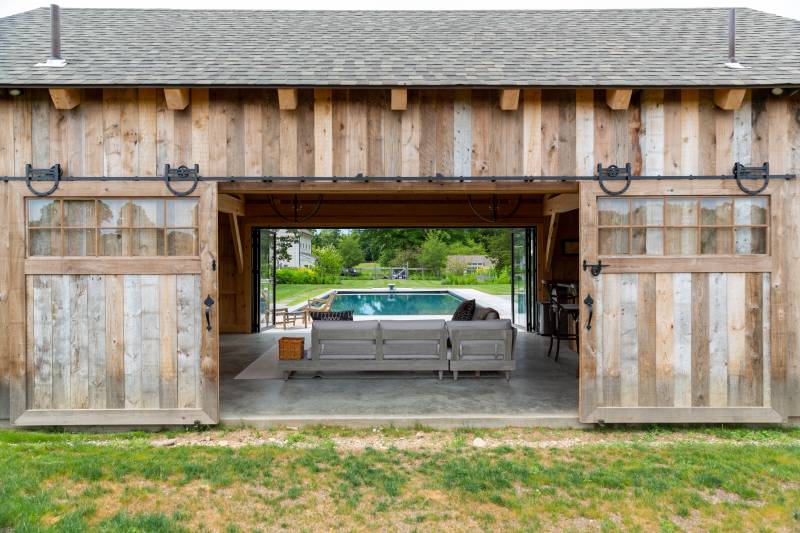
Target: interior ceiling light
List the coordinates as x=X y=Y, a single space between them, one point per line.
x=777 y=91
x=14 y=92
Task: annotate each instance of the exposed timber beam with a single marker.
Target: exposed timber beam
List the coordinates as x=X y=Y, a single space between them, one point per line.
x=287 y=99
x=729 y=99
x=399 y=99
x=65 y=98
x=618 y=99
x=177 y=99
x=237 y=242
x=560 y=204
x=509 y=99
x=552 y=233
x=231 y=205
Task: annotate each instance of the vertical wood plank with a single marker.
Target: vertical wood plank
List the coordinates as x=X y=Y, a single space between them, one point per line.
x=41 y=353
x=168 y=367
x=323 y=133
x=646 y=339
x=766 y=348
x=652 y=132
x=253 y=132
x=532 y=128
x=151 y=341
x=754 y=338
x=207 y=284
x=665 y=341
x=737 y=343
x=628 y=344
x=79 y=341
x=270 y=128
x=410 y=135
x=132 y=342
x=165 y=133
x=234 y=134
x=356 y=134
x=217 y=134
x=445 y=125
x=584 y=135
x=672 y=132
x=148 y=132
x=682 y=347
x=700 y=356
x=187 y=340
x=200 y=126
x=718 y=340
x=611 y=340
x=96 y=356
x=288 y=142
x=462 y=133
x=690 y=131
x=16 y=327
x=129 y=131
x=742 y=132
x=112 y=132
x=376 y=105
x=63 y=323
x=551 y=131
x=115 y=341
x=590 y=388
x=392 y=140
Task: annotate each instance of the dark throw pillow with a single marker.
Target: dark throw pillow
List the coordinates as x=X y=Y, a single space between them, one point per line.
x=332 y=315
x=465 y=310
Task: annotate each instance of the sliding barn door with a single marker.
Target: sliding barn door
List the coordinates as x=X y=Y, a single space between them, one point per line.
x=682 y=322
x=120 y=307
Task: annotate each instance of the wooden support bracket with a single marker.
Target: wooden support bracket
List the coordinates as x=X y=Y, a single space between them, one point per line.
x=509 y=99
x=65 y=98
x=552 y=234
x=618 y=99
x=399 y=99
x=729 y=99
x=560 y=204
x=177 y=99
x=231 y=205
x=237 y=243
x=287 y=99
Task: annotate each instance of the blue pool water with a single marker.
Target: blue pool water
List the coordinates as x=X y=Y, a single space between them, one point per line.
x=397 y=303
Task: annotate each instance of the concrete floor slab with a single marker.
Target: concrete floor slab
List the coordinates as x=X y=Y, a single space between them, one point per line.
x=541 y=392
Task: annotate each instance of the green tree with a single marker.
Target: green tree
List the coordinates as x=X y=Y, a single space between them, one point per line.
x=326 y=237
x=329 y=264
x=350 y=250
x=433 y=252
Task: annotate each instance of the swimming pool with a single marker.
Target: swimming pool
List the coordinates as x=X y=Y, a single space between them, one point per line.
x=396 y=303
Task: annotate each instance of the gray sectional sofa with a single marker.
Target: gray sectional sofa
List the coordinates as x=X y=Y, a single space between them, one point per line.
x=407 y=345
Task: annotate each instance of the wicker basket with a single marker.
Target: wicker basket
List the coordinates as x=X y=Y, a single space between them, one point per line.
x=290 y=348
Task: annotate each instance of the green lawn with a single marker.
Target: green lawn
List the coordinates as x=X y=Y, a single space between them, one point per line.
x=295 y=294
x=402 y=480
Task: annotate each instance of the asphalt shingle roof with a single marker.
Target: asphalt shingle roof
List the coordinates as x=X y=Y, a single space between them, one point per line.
x=645 y=48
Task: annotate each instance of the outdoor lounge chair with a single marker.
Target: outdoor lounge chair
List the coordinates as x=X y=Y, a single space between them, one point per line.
x=482 y=345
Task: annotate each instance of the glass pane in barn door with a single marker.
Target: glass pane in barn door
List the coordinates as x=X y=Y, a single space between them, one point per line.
x=676 y=323
x=131 y=344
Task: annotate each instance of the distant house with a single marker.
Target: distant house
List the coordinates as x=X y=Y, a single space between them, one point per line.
x=300 y=251
x=470 y=263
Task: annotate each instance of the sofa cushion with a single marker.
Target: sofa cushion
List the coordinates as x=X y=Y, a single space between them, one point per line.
x=465 y=310
x=410 y=349
x=357 y=325
x=405 y=325
x=347 y=349
x=500 y=324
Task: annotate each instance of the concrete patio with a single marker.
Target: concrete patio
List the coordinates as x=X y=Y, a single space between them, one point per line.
x=541 y=392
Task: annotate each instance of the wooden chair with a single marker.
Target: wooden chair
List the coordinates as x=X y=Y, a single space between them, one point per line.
x=318 y=305
x=562 y=309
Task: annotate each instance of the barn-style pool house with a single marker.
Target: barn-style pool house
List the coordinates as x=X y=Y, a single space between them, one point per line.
x=648 y=157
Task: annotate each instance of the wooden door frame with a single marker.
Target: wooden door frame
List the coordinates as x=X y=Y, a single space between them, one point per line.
x=20 y=266
x=588 y=411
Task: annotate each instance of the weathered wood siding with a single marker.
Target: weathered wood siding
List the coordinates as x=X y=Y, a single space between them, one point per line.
x=113 y=341
x=683 y=340
x=130 y=132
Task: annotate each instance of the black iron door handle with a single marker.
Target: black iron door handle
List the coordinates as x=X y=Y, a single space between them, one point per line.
x=589 y=301
x=208 y=302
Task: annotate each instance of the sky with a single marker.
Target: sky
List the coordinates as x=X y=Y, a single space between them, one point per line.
x=787 y=8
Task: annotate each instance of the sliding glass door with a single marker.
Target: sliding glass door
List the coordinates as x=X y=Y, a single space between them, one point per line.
x=523 y=277
x=263 y=279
